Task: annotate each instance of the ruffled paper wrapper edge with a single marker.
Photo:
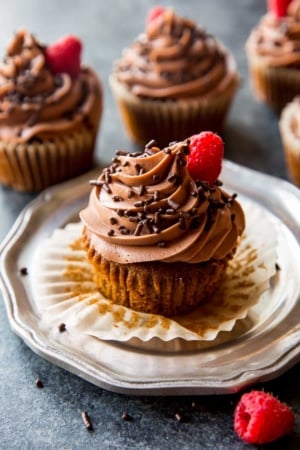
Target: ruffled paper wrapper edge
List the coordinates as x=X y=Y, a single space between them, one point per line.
x=64 y=290
x=31 y=167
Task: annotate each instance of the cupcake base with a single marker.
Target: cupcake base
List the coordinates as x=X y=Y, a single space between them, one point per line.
x=31 y=167
x=156 y=287
x=171 y=120
x=275 y=86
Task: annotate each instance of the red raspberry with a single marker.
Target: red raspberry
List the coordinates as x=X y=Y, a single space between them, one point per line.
x=278 y=7
x=260 y=418
x=154 y=13
x=64 y=56
x=205 y=159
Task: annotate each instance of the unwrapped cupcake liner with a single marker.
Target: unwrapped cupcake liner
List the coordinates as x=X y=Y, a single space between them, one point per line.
x=290 y=142
x=171 y=120
x=31 y=167
x=64 y=290
x=275 y=86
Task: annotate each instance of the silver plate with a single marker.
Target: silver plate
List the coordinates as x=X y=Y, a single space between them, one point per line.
x=259 y=354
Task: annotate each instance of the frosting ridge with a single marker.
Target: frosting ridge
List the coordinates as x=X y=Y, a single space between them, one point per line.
x=175 y=58
x=145 y=207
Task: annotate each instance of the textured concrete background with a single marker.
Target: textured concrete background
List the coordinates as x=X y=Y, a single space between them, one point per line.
x=50 y=418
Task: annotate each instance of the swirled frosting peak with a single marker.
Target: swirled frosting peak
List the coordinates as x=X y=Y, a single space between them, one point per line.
x=146 y=207
x=175 y=58
x=35 y=103
x=277 y=39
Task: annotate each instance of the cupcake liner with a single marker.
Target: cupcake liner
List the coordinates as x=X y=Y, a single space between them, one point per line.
x=171 y=120
x=275 y=86
x=64 y=290
x=290 y=142
x=34 y=166
x=156 y=287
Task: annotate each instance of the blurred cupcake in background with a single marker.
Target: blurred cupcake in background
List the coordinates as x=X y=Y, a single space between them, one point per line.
x=273 y=52
x=173 y=81
x=289 y=126
x=50 y=109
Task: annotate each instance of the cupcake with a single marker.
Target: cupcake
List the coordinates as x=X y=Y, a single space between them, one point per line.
x=50 y=109
x=158 y=229
x=273 y=53
x=289 y=126
x=173 y=81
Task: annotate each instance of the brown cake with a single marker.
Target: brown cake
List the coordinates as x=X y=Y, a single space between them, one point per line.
x=158 y=239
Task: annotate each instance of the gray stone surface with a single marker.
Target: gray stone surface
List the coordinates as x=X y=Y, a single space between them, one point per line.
x=50 y=418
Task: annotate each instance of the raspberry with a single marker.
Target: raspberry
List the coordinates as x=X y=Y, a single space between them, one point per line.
x=205 y=159
x=64 y=56
x=154 y=13
x=260 y=418
x=278 y=7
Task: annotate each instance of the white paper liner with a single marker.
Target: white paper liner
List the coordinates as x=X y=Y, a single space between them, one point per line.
x=64 y=290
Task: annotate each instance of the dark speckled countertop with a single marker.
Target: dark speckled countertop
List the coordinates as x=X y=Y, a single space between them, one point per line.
x=50 y=418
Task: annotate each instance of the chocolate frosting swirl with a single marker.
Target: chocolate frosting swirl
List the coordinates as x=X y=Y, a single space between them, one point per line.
x=277 y=40
x=175 y=58
x=35 y=103
x=146 y=207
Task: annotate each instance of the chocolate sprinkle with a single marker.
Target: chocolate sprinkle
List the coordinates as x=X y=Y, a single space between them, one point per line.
x=113 y=221
x=173 y=204
x=156 y=196
x=39 y=384
x=106 y=188
x=171 y=178
x=157 y=218
x=178 y=417
x=122 y=153
x=117 y=198
x=62 y=327
x=87 y=421
x=138 y=229
x=170 y=211
x=150 y=144
x=96 y=183
x=142 y=189
x=111 y=232
x=161 y=244
x=24 y=271
x=139 y=204
x=126 y=416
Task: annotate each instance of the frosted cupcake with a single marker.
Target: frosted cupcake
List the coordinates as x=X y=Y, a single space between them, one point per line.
x=173 y=81
x=50 y=109
x=273 y=51
x=159 y=230
x=289 y=126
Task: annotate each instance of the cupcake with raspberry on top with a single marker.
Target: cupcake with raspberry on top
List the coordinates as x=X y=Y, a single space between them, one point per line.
x=273 y=53
x=158 y=229
x=173 y=81
x=50 y=110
